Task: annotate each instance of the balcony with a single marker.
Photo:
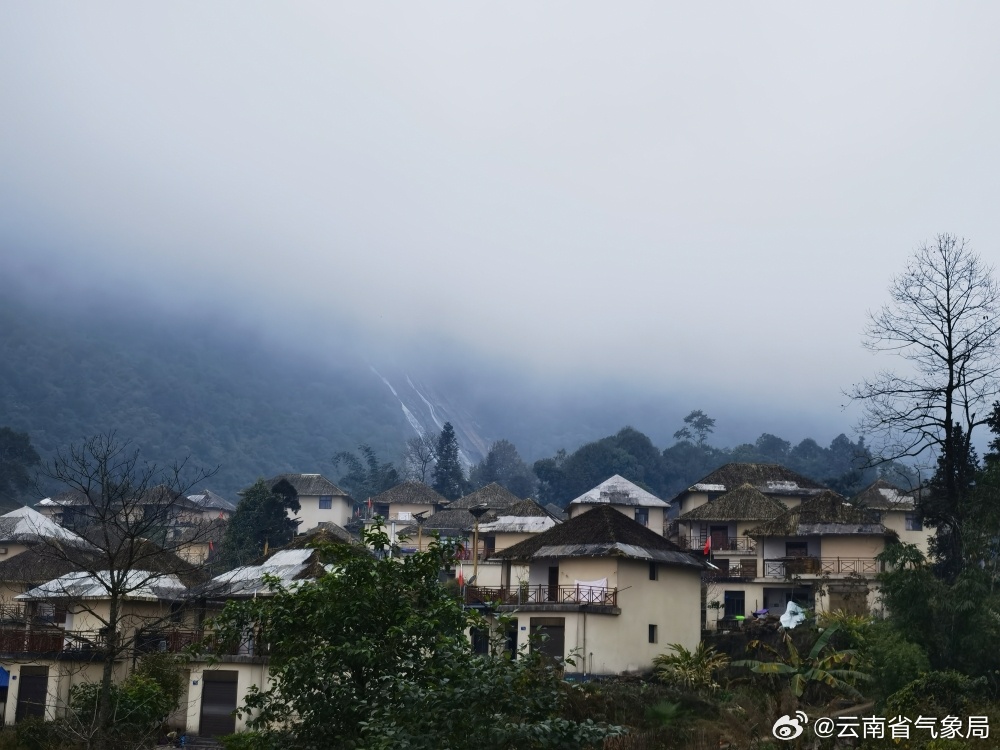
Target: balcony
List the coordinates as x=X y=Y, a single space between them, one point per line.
x=89 y=643
x=787 y=567
x=732 y=570
x=738 y=545
x=542 y=596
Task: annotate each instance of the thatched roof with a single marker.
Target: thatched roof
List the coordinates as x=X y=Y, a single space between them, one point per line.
x=601 y=532
x=451 y=522
x=619 y=491
x=745 y=503
x=493 y=495
x=771 y=479
x=410 y=492
x=826 y=514
x=882 y=495
x=308 y=484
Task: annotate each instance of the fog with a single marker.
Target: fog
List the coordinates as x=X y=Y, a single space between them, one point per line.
x=697 y=201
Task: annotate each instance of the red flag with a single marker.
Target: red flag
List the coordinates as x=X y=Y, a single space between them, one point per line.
x=708 y=546
x=460 y=576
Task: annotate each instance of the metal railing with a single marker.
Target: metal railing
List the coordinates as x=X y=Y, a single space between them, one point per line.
x=791 y=566
x=542 y=594
x=741 y=544
x=741 y=570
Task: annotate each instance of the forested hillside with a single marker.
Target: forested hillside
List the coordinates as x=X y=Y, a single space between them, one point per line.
x=191 y=389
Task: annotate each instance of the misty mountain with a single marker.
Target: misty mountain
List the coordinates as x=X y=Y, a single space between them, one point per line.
x=203 y=388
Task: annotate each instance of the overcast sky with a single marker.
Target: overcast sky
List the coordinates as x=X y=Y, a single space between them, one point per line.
x=684 y=195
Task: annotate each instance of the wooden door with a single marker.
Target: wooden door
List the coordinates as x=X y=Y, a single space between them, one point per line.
x=32 y=691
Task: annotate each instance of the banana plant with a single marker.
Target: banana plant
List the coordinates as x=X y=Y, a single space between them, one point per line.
x=835 y=669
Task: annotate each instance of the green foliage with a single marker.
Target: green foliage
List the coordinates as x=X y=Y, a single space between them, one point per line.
x=260 y=518
x=955 y=623
x=891 y=658
x=365 y=476
x=374 y=654
x=936 y=694
x=139 y=705
x=822 y=666
x=449 y=477
x=503 y=465
x=691 y=670
x=17 y=459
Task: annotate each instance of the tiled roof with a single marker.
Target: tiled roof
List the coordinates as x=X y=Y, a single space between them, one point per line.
x=619 y=491
x=600 y=532
x=413 y=493
x=771 y=479
x=745 y=503
x=881 y=495
x=308 y=484
x=827 y=513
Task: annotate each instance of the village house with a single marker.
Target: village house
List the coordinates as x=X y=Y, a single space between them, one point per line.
x=897 y=510
x=625 y=497
x=320 y=500
x=404 y=505
x=608 y=592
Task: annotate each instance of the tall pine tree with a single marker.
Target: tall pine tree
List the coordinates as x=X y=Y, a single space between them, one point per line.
x=449 y=479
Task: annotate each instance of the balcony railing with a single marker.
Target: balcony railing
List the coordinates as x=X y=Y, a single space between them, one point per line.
x=739 y=570
x=466 y=554
x=20 y=640
x=792 y=566
x=737 y=544
x=542 y=594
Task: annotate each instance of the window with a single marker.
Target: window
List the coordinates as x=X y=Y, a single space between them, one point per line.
x=642 y=516
x=653 y=572
x=325 y=502
x=735 y=603
x=652 y=634
x=796 y=549
x=913 y=522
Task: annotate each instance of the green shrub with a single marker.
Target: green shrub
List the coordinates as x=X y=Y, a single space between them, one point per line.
x=892 y=660
x=935 y=693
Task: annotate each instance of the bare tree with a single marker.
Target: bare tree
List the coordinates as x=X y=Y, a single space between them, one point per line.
x=420 y=456
x=943 y=323
x=139 y=524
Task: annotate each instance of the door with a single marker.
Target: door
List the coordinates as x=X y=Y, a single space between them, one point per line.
x=549 y=637
x=553 y=593
x=218 y=702
x=720 y=537
x=31 y=693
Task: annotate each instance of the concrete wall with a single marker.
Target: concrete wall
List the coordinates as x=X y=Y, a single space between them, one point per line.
x=250 y=672
x=311 y=515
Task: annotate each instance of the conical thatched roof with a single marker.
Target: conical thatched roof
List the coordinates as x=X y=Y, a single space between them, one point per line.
x=826 y=514
x=601 y=532
x=745 y=503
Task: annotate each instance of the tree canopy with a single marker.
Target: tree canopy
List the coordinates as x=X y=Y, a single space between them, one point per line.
x=375 y=654
x=17 y=460
x=261 y=519
x=449 y=477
